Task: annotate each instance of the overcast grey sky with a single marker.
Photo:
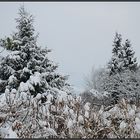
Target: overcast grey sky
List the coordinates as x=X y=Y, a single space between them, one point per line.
x=80 y=34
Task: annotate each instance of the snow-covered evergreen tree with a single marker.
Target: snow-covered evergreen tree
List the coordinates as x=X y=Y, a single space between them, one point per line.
x=123 y=56
x=29 y=84
x=128 y=57
x=115 y=64
x=27 y=67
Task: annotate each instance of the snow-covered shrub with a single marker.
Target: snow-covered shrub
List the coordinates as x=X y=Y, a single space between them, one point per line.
x=120 y=85
x=62 y=115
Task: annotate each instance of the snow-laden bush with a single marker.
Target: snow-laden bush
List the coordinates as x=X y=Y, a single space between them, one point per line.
x=120 y=85
x=65 y=116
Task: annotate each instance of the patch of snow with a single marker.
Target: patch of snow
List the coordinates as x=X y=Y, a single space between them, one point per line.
x=23 y=87
x=86 y=114
x=7 y=91
x=72 y=114
x=137 y=125
x=14 y=91
x=49 y=97
x=50 y=132
x=66 y=110
x=78 y=98
x=70 y=123
x=38 y=96
x=81 y=119
x=3 y=132
x=123 y=125
x=70 y=98
x=36 y=78
x=25 y=69
x=2 y=99
x=114 y=111
x=11 y=134
x=61 y=94
x=11 y=79
x=23 y=96
x=96 y=94
x=106 y=94
x=131 y=113
x=14 y=56
x=138 y=115
x=87 y=106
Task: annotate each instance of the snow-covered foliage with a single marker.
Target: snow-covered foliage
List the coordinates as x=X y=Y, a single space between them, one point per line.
x=64 y=116
x=27 y=67
x=123 y=56
x=116 y=63
x=28 y=81
x=98 y=94
x=130 y=61
x=36 y=101
x=120 y=85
